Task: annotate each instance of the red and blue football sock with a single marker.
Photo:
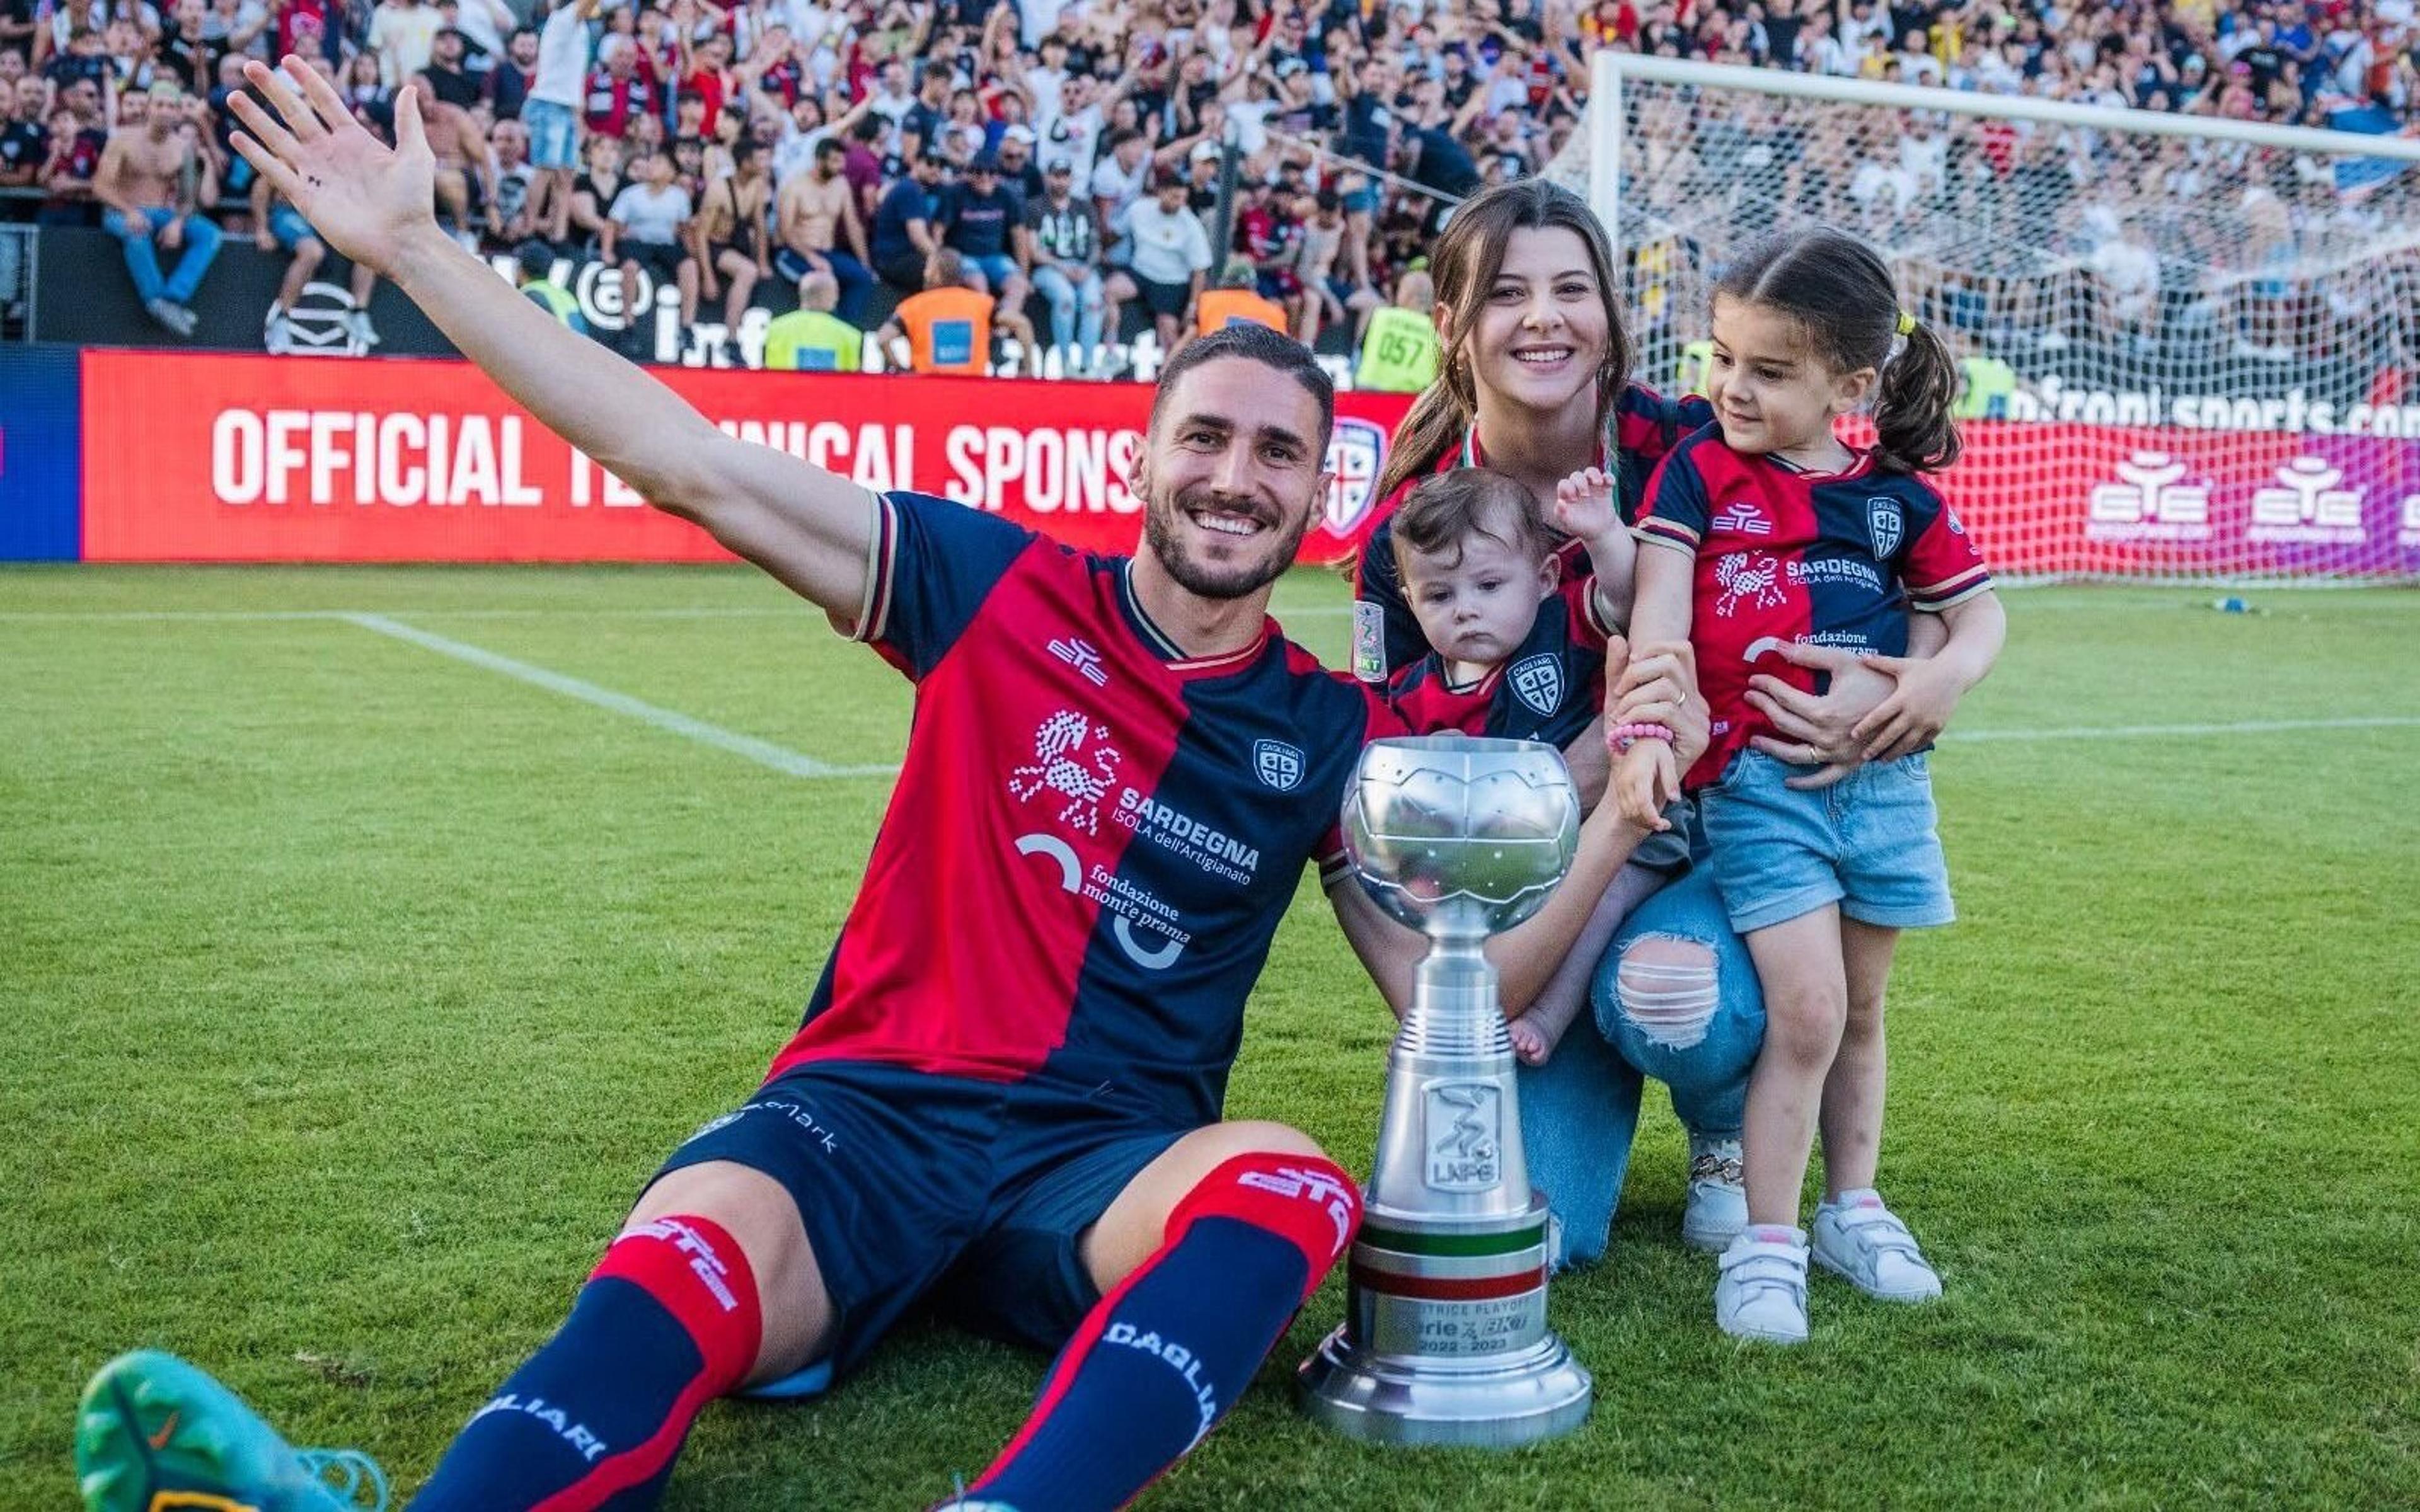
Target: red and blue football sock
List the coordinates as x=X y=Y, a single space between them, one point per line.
x=1163 y=1356
x=667 y=1322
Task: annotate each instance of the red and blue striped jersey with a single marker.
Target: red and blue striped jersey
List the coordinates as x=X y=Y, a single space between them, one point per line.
x=1548 y=690
x=1092 y=838
x=1644 y=425
x=1786 y=555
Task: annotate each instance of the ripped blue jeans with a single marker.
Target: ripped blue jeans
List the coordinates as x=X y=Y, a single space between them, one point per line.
x=1675 y=999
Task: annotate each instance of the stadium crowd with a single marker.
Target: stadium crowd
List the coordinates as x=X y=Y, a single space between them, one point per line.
x=937 y=170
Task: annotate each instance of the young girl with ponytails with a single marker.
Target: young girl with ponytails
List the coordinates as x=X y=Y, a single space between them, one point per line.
x=1764 y=530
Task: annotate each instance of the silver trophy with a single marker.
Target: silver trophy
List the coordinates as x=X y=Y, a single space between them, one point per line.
x=1444 y=1337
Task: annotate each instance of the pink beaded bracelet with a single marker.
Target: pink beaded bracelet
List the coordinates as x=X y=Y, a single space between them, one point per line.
x=1624 y=736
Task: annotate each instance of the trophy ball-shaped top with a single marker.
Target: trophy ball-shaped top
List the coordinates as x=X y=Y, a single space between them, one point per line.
x=1461 y=837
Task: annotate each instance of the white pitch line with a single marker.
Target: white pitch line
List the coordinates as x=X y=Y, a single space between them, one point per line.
x=763 y=753
x=2240 y=727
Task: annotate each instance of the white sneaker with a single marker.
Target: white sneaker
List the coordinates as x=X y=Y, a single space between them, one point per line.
x=279 y=338
x=1862 y=1240
x=357 y=325
x=1761 y=1294
x=1717 y=1208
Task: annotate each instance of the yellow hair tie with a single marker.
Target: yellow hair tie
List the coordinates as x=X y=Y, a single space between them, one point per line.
x=1906 y=324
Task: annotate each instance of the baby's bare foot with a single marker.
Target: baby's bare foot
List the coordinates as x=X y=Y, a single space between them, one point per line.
x=1529 y=1044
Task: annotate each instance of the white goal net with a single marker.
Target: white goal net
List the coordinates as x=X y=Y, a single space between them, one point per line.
x=2192 y=346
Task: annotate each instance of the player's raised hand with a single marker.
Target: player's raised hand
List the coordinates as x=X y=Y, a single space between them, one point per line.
x=1584 y=504
x=367 y=200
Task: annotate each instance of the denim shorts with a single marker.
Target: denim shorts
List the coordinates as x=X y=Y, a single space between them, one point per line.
x=554 y=133
x=1868 y=842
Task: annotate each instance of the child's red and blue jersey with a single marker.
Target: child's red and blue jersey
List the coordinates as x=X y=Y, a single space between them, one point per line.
x=1549 y=688
x=1094 y=838
x=1644 y=426
x=1785 y=556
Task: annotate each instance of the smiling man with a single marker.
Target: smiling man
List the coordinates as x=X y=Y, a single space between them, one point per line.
x=1117 y=767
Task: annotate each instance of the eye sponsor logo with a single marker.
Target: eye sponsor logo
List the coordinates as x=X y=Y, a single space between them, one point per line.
x=2309 y=507
x=1538 y=682
x=2153 y=499
x=1073 y=757
x=1741 y=518
x=1082 y=655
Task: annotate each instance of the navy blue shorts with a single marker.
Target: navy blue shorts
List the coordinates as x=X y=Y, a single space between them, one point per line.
x=912 y=1185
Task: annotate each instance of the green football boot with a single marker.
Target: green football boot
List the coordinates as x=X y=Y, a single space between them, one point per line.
x=154 y=1434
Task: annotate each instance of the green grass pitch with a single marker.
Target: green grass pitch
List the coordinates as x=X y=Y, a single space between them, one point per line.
x=349 y=990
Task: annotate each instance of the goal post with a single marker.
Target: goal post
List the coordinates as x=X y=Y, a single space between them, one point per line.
x=2191 y=345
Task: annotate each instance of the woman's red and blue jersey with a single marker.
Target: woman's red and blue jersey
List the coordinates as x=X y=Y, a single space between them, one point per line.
x=1550 y=689
x=1784 y=557
x=1643 y=426
x=1092 y=839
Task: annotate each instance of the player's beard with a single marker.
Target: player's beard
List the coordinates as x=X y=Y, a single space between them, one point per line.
x=1280 y=542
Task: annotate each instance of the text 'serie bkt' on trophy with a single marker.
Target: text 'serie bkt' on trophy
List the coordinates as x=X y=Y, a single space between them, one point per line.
x=1445 y=1336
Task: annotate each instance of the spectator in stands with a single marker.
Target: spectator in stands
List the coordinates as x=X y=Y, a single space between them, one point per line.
x=509 y=81
x=815 y=212
x=509 y=170
x=812 y=339
x=537 y=261
x=726 y=238
x=79 y=135
x=555 y=96
x=153 y=181
x=402 y=33
x=1171 y=256
x=1062 y=242
x=1238 y=301
x=593 y=193
x=902 y=239
x=979 y=219
x=644 y=230
x=948 y=325
x=1400 y=351
x=24 y=146
x=283 y=226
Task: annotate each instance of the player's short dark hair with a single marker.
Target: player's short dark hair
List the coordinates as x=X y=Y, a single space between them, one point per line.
x=1256 y=343
x=1444 y=510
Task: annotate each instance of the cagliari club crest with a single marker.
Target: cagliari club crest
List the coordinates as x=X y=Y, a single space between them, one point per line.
x=1278 y=764
x=1883 y=522
x=1538 y=682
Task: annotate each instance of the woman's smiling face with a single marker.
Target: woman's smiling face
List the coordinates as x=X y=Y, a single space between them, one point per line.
x=1540 y=338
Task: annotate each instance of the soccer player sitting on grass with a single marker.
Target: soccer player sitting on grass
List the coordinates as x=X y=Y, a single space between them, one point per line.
x=1517 y=650
x=1117 y=767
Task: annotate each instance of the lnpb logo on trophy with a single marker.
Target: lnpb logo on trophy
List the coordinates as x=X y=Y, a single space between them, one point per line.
x=1355 y=453
x=1465 y=1127
x=1278 y=764
x=1538 y=681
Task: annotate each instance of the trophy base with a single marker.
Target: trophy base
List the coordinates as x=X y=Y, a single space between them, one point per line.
x=1540 y=1393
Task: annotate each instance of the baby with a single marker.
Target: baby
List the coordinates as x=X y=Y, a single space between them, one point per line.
x=1517 y=649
